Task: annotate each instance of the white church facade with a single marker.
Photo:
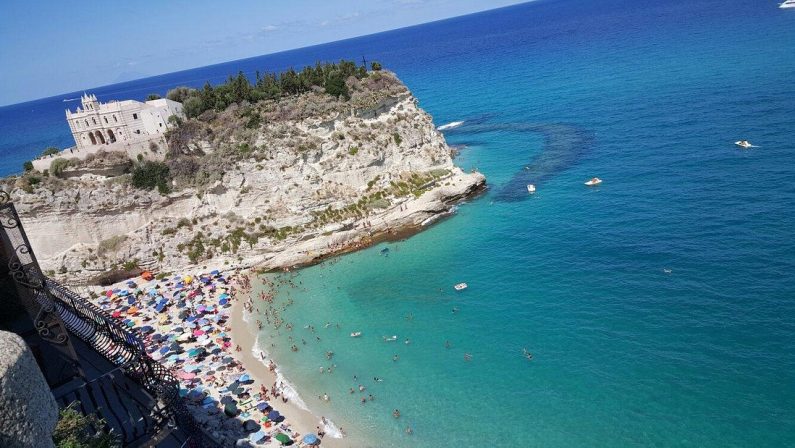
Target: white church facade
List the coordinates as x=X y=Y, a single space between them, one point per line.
x=98 y=123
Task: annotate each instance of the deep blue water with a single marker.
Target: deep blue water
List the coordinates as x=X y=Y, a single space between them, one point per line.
x=647 y=95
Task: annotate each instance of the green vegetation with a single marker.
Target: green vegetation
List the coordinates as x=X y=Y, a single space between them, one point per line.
x=75 y=430
x=148 y=175
x=375 y=66
x=129 y=265
x=397 y=138
x=353 y=150
x=50 y=151
x=331 y=77
x=152 y=96
x=58 y=165
x=28 y=166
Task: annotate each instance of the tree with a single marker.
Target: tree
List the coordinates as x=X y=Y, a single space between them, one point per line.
x=50 y=151
x=180 y=94
x=152 y=96
x=375 y=66
x=28 y=165
x=335 y=86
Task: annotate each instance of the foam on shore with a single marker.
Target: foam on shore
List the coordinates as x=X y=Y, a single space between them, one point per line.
x=288 y=389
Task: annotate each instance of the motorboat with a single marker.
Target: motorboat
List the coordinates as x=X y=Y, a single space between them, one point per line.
x=531 y=188
x=594 y=181
x=356 y=334
x=787 y=4
x=461 y=286
x=745 y=144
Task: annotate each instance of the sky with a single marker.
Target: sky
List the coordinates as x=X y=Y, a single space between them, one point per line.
x=48 y=47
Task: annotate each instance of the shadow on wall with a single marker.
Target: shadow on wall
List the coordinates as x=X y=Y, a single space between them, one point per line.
x=564 y=146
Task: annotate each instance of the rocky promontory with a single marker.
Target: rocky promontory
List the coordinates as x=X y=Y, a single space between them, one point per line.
x=270 y=183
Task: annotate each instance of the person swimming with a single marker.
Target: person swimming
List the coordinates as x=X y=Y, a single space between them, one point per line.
x=376 y=379
x=467 y=357
x=527 y=354
x=396 y=413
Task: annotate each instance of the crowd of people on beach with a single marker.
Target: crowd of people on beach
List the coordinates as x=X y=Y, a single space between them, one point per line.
x=184 y=324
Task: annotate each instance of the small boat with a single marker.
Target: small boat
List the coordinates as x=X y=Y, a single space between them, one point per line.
x=594 y=181
x=787 y=4
x=745 y=144
x=356 y=334
x=390 y=339
x=531 y=188
x=461 y=286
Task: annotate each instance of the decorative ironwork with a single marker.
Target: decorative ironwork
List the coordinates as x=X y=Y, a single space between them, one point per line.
x=5 y=198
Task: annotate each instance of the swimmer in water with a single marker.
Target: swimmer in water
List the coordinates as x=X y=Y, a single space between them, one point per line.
x=396 y=413
x=446 y=344
x=527 y=354
x=467 y=357
x=395 y=358
x=407 y=341
x=455 y=309
x=376 y=379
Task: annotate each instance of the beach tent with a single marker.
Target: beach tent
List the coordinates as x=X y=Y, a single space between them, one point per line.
x=311 y=439
x=283 y=438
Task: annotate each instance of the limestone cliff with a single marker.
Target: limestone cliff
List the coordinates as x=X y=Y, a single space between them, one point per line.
x=271 y=184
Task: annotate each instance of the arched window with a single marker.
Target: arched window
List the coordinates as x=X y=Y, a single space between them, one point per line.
x=115 y=120
x=93 y=140
x=111 y=136
x=94 y=120
x=106 y=119
x=86 y=123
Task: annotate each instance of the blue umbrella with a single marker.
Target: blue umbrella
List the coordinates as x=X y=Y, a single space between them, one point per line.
x=256 y=437
x=214 y=272
x=310 y=439
x=160 y=307
x=130 y=300
x=223 y=301
x=262 y=406
x=164 y=350
x=274 y=415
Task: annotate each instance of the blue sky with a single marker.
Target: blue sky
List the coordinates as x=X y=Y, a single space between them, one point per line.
x=54 y=46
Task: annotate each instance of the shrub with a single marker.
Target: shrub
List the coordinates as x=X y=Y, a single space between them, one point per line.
x=75 y=430
x=353 y=150
x=375 y=66
x=110 y=244
x=397 y=138
x=58 y=165
x=50 y=151
x=28 y=166
x=149 y=174
x=152 y=96
x=129 y=265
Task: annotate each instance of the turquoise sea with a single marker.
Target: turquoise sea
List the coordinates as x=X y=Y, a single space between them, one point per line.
x=659 y=307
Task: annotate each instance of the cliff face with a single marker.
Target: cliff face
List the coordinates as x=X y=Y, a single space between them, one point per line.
x=300 y=178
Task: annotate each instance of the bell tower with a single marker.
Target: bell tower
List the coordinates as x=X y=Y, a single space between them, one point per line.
x=90 y=102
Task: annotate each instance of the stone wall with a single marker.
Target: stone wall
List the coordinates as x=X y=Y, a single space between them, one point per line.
x=28 y=411
x=132 y=148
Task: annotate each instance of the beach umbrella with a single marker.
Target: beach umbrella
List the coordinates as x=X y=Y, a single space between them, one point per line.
x=164 y=350
x=283 y=438
x=230 y=409
x=214 y=272
x=263 y=406
x=250 y=425
x=274 y=415
x=223 y=301
x=160 y=307
x=311 y=439
x=130 y=300
x=109 y=293
x=194 y=352
x=257 y=437
x=191 y=368
x=245 y=378
x=147 y=329
x=116 y=313
x=186 y=375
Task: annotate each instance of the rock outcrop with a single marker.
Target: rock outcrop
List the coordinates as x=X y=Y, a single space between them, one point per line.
x=272 y=184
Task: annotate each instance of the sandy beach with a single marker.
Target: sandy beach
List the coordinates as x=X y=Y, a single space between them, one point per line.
x=241 y=333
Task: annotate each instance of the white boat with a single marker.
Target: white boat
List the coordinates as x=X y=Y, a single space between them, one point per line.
x=356 y=334
x=745 y=144
x=390 y=339
x=461 y=286
x=787 y=4
x=594 y=181
x=531 y=188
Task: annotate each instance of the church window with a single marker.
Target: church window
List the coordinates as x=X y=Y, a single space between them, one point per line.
x=106 y=119
x=135 y=116
x=94 y=120
x=115 y=120
x=86 y=122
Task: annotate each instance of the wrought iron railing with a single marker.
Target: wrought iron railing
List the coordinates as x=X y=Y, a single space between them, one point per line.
x=96 y=328
x=55 y=309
